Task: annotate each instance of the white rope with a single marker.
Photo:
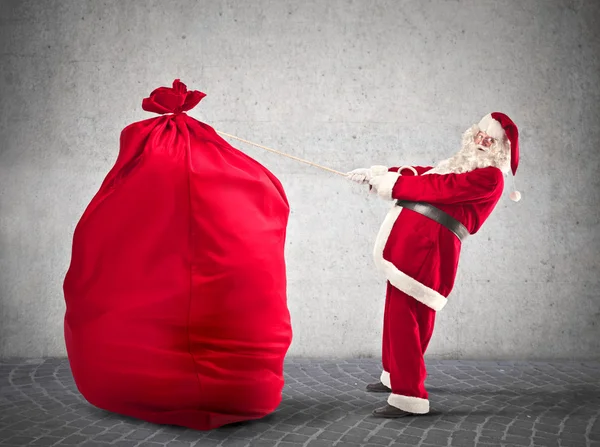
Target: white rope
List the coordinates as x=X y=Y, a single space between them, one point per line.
x=283 y=153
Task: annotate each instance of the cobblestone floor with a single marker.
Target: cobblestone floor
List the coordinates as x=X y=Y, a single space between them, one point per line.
x=324 y=404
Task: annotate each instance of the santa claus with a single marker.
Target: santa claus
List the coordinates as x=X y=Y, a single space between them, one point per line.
x=418 y=246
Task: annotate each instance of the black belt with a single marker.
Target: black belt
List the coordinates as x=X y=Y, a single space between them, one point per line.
x=438 y=215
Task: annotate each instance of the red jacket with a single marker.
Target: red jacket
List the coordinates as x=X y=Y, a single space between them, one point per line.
x=418 y=255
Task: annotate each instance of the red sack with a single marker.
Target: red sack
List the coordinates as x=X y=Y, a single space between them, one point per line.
x=176 y=307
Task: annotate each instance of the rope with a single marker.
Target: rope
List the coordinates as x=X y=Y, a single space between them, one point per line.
x=282 y=153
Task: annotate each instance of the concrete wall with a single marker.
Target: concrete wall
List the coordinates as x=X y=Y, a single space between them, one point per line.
x=342 y=83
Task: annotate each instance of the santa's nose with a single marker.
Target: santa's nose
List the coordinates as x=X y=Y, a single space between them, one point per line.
x=484 y=140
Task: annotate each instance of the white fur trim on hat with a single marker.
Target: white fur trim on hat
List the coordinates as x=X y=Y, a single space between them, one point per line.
x=397 y=278
x=411 y=404
x=386 y=184
x=491 y=127
x=385 y=378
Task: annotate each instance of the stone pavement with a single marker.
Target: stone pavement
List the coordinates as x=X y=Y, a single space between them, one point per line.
x=324 y=404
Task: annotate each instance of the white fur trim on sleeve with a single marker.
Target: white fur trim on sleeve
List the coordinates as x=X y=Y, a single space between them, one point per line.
x=408 y=167
x=414 y=405
x=385 y=378
x=492 y=127
x=386 y=185
x=397 y=278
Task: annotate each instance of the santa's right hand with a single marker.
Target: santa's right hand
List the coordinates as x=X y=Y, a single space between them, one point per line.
x=361 y=175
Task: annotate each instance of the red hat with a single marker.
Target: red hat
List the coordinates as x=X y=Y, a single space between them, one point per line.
x=500 y=126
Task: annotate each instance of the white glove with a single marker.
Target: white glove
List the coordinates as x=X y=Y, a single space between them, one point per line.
x=364 y=175
x=360 y=175
x=378 y=170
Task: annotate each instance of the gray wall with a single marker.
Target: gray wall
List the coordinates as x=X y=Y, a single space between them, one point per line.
x=342 y=83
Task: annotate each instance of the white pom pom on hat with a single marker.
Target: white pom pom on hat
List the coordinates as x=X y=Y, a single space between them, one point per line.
x=497 y=125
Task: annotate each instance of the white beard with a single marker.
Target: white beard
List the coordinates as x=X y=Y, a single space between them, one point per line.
x=470 y=157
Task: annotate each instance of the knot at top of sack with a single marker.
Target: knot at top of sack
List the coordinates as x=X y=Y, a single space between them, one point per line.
x=172 y=100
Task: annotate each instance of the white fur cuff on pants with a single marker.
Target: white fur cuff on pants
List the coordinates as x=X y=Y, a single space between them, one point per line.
x=385 y=379
x=410 y=404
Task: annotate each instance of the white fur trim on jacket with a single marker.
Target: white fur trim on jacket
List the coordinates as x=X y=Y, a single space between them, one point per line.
x=397 y=278
x=414 y=405
x=492 y=127
x=385 y=379
x=386 y=183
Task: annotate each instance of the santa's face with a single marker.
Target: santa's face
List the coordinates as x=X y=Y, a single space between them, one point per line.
x=483 y=141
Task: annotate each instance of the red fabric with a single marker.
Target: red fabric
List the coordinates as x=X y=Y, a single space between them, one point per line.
x=408 y=172
x=512 y=133
x=429 y=253
x=176 y=292
x=407 y=330
x=469 y=197
x=426 y=250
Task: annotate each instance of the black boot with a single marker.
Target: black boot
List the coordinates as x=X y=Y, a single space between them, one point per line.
x=390 y=412
x=378 y=388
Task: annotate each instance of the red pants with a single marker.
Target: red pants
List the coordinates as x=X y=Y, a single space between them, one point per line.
x=407 y=329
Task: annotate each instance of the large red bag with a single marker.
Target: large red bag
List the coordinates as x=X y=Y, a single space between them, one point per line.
x=176 y=307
